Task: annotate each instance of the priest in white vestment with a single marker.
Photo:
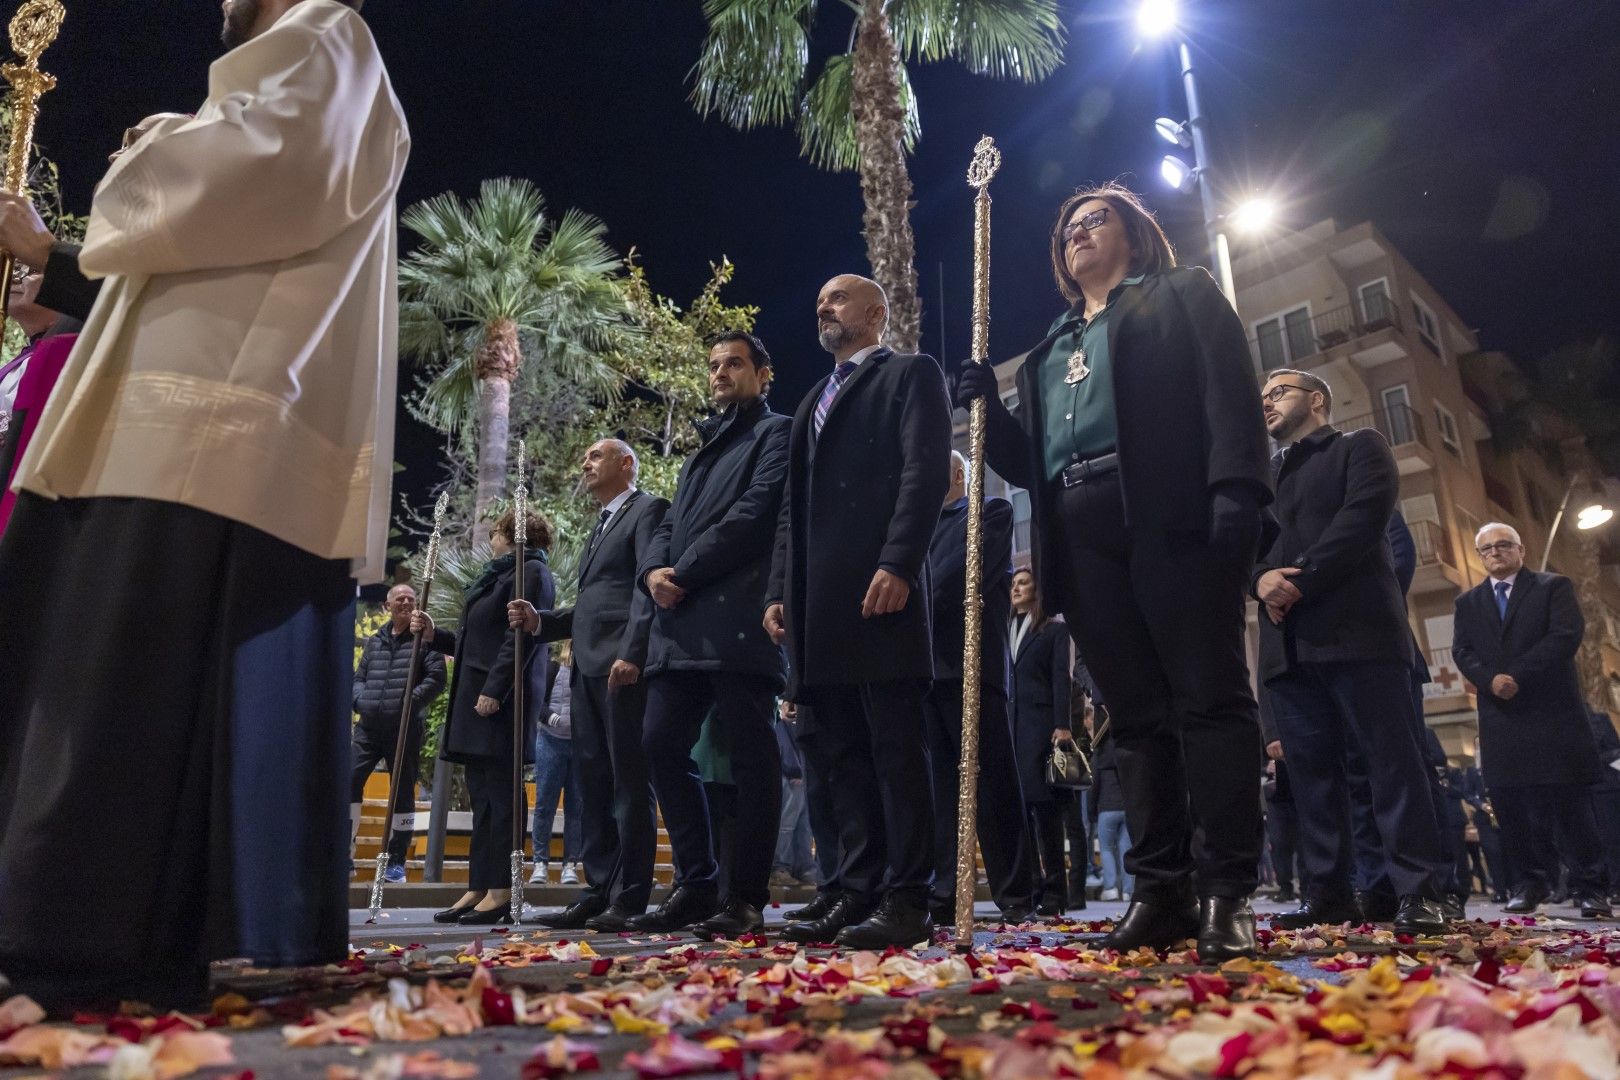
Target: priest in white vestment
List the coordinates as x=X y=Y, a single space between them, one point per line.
x=208 y=481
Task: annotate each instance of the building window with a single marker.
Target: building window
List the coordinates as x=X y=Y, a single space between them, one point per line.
x=1376 y=310
x=1447 y=426
x=1399 y=422
x=1022 y=515
x=1285 y=339
x=1428 y=327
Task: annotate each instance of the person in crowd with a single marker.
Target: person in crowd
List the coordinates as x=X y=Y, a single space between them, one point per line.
x=1139 y=437
x=1108 y=813
x=26 y=380
x=706 y=570
x=823 y=815
x=1282 y=824
x=609 y=625
x=868 y=464
x=795 y=857
x=556 y=776
x=1336 y=657
x=1083 y=702
x=204 y=312
x=1516 y=635
x=1483 y=819
x=380 y=680
x=1040 y=709
x=1606 y=797
x=478 y=732
x=1003 y=837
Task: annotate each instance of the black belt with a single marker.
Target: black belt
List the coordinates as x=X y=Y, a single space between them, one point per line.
x=1082 y=471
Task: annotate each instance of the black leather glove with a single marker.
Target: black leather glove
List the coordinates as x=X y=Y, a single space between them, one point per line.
x=1234 y=522
x=976 y=381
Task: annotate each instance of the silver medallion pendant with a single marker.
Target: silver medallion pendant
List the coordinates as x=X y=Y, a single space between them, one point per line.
x=1077 y=369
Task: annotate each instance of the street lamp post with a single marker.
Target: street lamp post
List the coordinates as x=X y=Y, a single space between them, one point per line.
x=1590 y=517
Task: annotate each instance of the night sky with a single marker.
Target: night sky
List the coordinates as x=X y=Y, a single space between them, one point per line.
x=1479 y=135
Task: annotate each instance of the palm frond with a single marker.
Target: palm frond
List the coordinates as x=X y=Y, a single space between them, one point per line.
x=1004 y=39
x=827 y=119
x=753 y=61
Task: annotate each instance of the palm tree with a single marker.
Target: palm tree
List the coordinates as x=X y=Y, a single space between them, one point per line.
x=859 y=111
x=496 y=286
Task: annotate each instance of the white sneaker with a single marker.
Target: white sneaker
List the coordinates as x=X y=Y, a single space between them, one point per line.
x=1108 y=894
x=570 y=873
x=541 y=870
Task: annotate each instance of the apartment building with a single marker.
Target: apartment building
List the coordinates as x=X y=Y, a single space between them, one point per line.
x=1345 y=305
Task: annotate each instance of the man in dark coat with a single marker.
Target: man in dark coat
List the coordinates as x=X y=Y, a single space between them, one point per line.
x=868 y=464
x=379 y=698
x=1606 y=796
x=610 y=624
x=1516 y=635
x=706 y=569
x=1002 y=838
x=1336 y=656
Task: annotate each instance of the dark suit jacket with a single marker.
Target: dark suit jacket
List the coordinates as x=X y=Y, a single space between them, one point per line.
x=1541 y=736
x=65 y=288
x=947 y=576
x=611 y=618
x=863 y=496
x=718 y=537
x=1040 y=703
x=1608 y=749
x=1335 y=494
x=1188 y=409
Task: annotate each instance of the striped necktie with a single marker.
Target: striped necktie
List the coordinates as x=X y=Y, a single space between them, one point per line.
x=833 y=384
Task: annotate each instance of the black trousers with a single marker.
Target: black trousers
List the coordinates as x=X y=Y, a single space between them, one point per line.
x=1319 y=708
x=818 y=801
x=867 y=741
x=1540 y=822
x=489 y=784
x=1282 y=829
x=1159 y=618
x=1049 y=876
x=1075 y=827
x=372 y=745
x=620 y=837
x=677 y=702
x=1606 y=806
x=1003 y=840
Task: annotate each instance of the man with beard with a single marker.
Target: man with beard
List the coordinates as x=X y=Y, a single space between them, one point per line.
x=205 y=488
x=868 y=466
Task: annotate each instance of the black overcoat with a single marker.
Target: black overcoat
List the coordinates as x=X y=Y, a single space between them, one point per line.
x=947 y=578
x=1541 y=735
x=1188 y=409
x=863 y=496
x=484 y=666
x=1040 y=703
x=718 y=537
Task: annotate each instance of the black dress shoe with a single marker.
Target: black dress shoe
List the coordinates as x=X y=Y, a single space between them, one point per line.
x=814 y=910
x=1013 y=916
x=1525 y=899
x=1286 y=896
x=453 y=914
x=574 y=916
x=612 y=919
x=1420 y=917
x=733 y=920
x=845 y=911
x=1456 y=907
x=1158 y=924
x=473 y=917
x=686 y=905
x=895 y=922
x=1225 y=929
x=1377 y=906
x=1317 y=911
x=1050 y=909
x=1594 y=907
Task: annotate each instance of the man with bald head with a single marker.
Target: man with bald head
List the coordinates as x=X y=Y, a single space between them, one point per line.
x=868 y=467
x=609 y=623
x=1515 y=638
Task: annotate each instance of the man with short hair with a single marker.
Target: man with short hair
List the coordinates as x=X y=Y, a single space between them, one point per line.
x=707 y=570
x=609 y=624
x=380 y=680
x=1335 y=658
x=213 y=463
x=868 y=463
x=1516 y=636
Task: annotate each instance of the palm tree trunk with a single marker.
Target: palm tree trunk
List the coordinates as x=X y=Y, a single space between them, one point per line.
x=885 y=184
x=496 y=363
x=1588 y=594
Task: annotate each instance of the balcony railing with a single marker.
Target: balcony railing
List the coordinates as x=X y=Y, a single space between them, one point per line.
x=1433 y=544
x=1398 y=424
x=1281 y=345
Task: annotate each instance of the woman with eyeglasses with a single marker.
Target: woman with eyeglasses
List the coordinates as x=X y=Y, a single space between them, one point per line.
x=1139 y=437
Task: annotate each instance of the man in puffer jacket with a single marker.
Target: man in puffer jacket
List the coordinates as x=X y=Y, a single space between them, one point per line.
x=379 y=696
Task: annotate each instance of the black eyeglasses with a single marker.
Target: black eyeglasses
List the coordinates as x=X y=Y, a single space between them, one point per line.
x=1501 y=546
x=1280 y=391
x=1088 y=222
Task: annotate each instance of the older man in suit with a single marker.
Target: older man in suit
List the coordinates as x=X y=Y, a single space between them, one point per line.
x=1516 y=635
x=1336 y=656
x=868 y=466
x=609 y=623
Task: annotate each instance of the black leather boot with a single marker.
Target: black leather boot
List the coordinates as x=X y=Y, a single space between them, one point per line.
x=574 y=916
x=1156 y=923
x=1317 y=911
x=683 y=907
x=845 y=911
x=814 y=910
x=896 y=922
x=1225 y=929
x=733 y=920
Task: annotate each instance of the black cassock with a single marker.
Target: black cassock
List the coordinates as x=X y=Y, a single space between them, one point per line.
x=174 y=742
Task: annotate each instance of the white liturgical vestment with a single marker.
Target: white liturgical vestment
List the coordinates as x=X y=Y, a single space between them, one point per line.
x=242 y=355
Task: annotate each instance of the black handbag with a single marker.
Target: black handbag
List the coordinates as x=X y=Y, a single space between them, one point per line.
x=1067 y=766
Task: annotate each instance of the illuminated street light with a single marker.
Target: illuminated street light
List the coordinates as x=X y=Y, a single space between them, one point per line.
x=1254 y=215
x=1178 y=174
x=1173 y=132
x=1589 y=517
x=1593 y=516
x=1156 y=18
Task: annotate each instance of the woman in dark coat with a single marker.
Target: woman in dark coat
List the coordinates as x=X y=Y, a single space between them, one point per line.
x=1040 y=711
x=478 y=730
